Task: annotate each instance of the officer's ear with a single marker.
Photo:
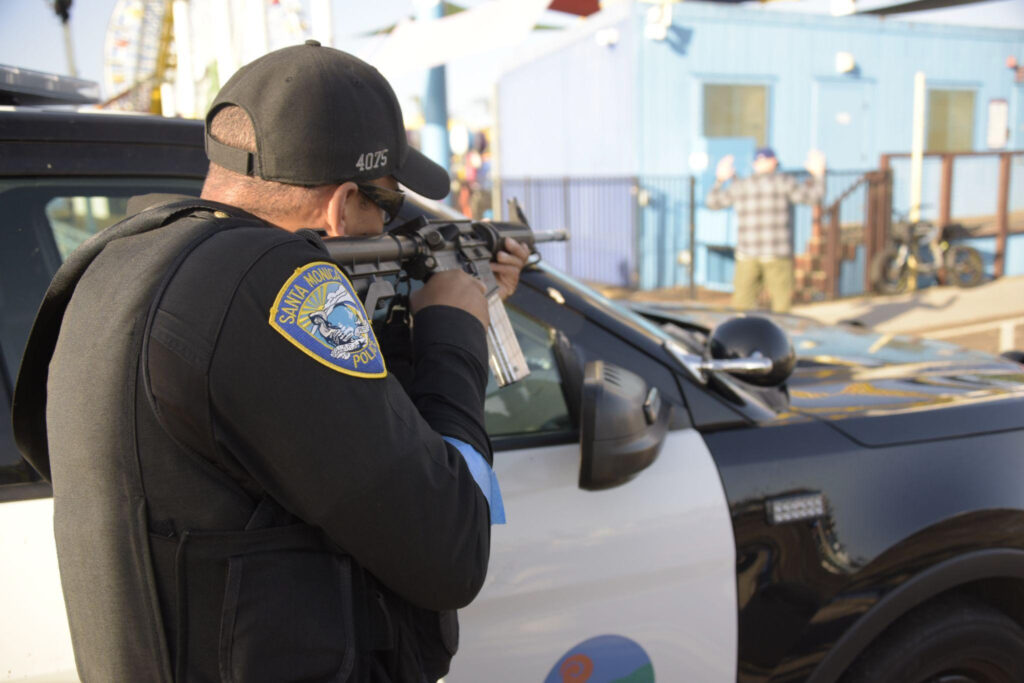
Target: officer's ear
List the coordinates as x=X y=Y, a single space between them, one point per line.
x=340 y=207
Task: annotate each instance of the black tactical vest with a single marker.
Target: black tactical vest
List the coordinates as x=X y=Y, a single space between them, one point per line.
x=238 y=591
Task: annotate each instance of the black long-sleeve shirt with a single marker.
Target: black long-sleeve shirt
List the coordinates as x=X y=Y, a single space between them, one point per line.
x=356 y=457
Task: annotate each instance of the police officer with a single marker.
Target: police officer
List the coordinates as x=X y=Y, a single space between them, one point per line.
x=242 y=491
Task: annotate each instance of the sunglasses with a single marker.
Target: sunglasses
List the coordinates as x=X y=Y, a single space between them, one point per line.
x=388 y=201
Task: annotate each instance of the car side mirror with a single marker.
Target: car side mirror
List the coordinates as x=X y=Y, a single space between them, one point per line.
x=752 y=348
x=622 y=425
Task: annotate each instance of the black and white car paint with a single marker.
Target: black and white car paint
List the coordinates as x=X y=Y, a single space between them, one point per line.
x=784 y=533
x=915 y=447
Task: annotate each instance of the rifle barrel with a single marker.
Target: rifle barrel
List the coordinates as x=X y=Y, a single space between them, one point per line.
x=372 y=249
x=393 y=247
x=551 y=236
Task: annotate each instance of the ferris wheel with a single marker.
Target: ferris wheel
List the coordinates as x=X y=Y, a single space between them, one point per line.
x=137 y=53
x=156 y=48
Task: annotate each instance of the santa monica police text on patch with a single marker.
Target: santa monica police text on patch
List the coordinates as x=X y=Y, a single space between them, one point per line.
x=318 y=311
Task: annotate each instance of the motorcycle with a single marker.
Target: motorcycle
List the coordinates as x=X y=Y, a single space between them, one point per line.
x=899 y=264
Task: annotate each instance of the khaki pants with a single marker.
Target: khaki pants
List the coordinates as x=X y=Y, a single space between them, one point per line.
x=775 y=275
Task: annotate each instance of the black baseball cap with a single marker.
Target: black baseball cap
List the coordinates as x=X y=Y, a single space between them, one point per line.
x=321 y=117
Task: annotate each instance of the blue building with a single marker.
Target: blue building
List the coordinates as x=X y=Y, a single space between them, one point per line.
x=656 y=92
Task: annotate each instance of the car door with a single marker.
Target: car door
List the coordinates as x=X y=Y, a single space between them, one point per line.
x=42 y=220
x=633 y=582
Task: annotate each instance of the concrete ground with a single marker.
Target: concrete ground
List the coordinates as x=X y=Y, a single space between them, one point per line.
x=989 y=317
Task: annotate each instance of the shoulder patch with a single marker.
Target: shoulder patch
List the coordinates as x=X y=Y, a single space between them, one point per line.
x=318 y=311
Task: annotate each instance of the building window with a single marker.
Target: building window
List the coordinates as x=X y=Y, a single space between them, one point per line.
x=736 y=111
x=950 y=121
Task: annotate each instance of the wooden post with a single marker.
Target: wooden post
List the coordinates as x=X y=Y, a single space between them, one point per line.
x=816 y=232
x=870 y=229
x=816 y=247
x=886 y=210
x=1002 y=214
x=946 y=190
x=885 y=206
x=832 y=255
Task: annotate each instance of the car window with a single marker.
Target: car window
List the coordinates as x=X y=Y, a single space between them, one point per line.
x=535 y=404
x=533 y=408
x=74 y=219
x=42 y=220
x=12 y=467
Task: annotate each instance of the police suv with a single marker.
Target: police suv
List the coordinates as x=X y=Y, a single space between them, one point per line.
x=683 y=503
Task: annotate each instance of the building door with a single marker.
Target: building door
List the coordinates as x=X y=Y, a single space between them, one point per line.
x=844 y=128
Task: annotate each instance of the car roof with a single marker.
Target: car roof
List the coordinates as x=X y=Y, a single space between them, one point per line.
x=35 y=142
x=29 y=124
x=25 y=86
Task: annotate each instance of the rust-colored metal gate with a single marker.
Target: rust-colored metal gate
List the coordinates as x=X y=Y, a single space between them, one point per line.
x=876 y=189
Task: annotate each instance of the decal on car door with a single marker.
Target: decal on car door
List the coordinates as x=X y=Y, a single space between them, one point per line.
x=604 y=659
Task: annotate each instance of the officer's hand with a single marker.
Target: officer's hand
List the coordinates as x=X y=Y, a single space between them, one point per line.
x=452 y=288
x=510 y=261
x=725 y=170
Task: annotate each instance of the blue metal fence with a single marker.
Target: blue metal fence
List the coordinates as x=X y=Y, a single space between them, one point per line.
x=634 y=231
x=600 y=215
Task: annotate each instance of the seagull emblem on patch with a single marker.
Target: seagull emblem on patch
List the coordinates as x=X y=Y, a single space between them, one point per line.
x=318 y=311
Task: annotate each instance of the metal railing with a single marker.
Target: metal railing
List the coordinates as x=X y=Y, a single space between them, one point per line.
x=853 y=226
x=651 y=231
x=978 y=189
x=655 y=232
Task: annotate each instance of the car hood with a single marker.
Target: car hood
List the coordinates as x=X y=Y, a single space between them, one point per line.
x=861 y=379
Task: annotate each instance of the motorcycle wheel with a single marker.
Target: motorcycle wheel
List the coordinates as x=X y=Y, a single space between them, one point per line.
x=964 y=267
x=888 y=275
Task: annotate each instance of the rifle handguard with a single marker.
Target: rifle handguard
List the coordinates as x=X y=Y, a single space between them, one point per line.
x=420 y=248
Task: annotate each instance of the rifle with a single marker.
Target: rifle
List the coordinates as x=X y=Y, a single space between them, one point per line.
x=421 y=247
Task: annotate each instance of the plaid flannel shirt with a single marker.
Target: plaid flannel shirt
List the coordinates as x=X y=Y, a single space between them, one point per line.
x=762 y=210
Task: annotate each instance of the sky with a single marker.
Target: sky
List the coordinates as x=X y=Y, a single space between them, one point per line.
x=31 y=37
x=994 y=13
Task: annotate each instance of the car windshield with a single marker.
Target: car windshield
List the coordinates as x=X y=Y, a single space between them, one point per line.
x=613 y=307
